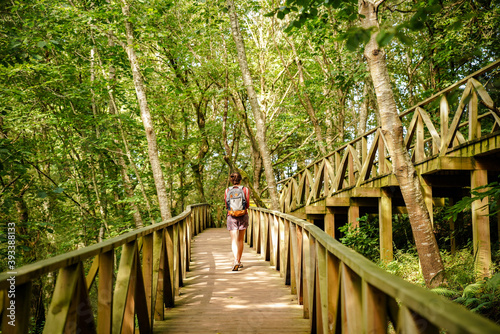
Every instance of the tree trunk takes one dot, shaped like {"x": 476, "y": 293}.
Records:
{"x": 254, "y": 103}
{"x": 392, "y": 128}
{"x": 140, "y": 90}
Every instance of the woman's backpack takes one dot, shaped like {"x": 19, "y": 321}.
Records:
{"x": 236, "y": 201}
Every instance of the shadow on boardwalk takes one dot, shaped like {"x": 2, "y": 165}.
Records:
{"x": 215, "y": 299}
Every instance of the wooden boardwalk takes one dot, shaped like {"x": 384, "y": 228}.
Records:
{"x": 215, "y": 299}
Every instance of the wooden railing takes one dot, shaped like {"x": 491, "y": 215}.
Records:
{"x": 152, "y": 265}
{"x": 343, "y": 292}
{"x": 366, "y": 157}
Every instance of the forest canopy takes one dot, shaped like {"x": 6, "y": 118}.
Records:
{"x": 74, "y": 154}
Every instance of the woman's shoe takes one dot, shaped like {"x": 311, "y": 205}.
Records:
{"x": 236, "y": 265}
{"x": 240, "y": 265}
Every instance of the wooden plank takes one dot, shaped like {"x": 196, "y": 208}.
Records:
{"x": 368, "y": 163}
{"x": 313, "y": 209}
{"x": 322, "y": 287}
{"x": 141, "y": 300}
{"x": 351, "y": 301}
{"x": 307, "y": 277}
{"x": 481, "y": 91}
{"x": 330, "y": 223}
{"x": 14, "y": 315}
{"x": 158, "y": 274}
{"x": 64, "y": 291}
{"x": 430, "y": 126}
{"x": 382, "y": 169}
{"x": 91, "y": 275}
{"x": 284, "y": 235}
{"x": 385, "y": 227}
{"x": 299, "y": 256}
{"x": 334, "y": 287}
{"x": 354, "y": 154}
{"x": 168, "y": 277}
{"x": 338, "y": 201}
{"x": 444, "y": 111}
{"x": 456, "y": 120}
{"x": 481, "y": 226}
{"x": 293, "y": 261}
{"x": 340, "y": 173}
{"x": 105, "y": 292}
{"x": 123, "y": 298}
{"x": 273, "y": 241}
{"x": 370, "y": 192}
{"x": 412, "y": 128}
{"x": 147, "y": 273}
{"x": 411, "y": 323}
{"x": 212, "y": 298}
{"x": 374, "y": 309}
{"x": 474, "y": 124}
{"x": 318, "y": 183}
{"x": 83, "y": 314}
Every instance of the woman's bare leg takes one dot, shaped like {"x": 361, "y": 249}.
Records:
{"x": 241, "y": 238}
{"x": 235, "y": 244}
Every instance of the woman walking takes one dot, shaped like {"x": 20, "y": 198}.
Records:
{"x": 237, "y": 199}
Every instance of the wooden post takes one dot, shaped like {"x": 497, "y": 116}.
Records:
{"x": 481, "y": 225}
{"x": 452, "y": 229}
{"x": 330, "y": 222}
{"x": 385, "y": 226}
{"x": 353, "y": 215}
{"x": 498, "y": 221}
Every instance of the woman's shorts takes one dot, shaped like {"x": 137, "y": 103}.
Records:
{"x": 237, "y": 223}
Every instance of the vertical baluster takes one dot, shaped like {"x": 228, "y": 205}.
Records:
{"x": 444, "y": 112}
{"x": 351, "y": 302}
{"x": 105, "y": 292}
{"x": 474, "y": 123}
{"x": 374, "y": 309}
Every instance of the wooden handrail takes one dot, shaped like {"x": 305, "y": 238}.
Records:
{"x": 341, "y": 290}
{"x": 153, "y": 262}
{"x": 340, "y": 169}
{"x": 401, "y": 115}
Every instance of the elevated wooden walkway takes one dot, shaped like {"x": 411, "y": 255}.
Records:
{"x": 215, "y": 299}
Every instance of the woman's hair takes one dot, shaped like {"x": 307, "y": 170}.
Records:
{"x": 235, "y": 178}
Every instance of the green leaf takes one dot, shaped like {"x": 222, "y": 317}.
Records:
{"x": 41, "y": 194}
{"x": 41, "y": 44}
{"x": 384, "y": 37}
{"x": 58, "y": 190}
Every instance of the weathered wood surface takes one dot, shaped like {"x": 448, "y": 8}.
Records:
{"x": 215, "y": 299}
{"x": 152, "y": 264}
{"x": 343, "y": 292}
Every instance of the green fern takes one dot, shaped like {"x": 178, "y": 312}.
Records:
{"x": 446, "y": 292}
